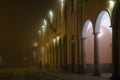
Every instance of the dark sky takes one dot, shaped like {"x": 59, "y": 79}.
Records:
{"x": 19, "y": 24}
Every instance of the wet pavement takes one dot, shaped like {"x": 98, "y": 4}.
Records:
{"x": 31, "y": 73}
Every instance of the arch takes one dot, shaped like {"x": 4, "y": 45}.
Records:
{"x": 87, "y": 47}
{"x": 102, "y": 18}
{"x": 87, "y": 24}
{"x": 103, "y": 43}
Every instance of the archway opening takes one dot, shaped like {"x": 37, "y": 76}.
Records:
{"x": 90, "y": 48}
{"x": 88, "y": 45}
{"x": 104, "y": 42}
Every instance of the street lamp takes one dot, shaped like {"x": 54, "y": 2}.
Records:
{"x": 61, "y": 2}
{"x": 35, "y": 44}
{"x": 45, "y": 22}
{"x": 111, "y": 4}
{"x": 51, "y": 15}
{"x": 39, "y": 32}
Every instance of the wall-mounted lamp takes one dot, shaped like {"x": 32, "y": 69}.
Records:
{"x": 51, "y": 14}
{"x": 58, "y": 38}
{"x": 111, "y": 4}
{"x": 45, "y": 22}
{"x": 54, "y": 40}
{"x": 36, "y": 44}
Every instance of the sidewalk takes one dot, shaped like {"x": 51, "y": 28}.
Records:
{"x": 72, "y": 76}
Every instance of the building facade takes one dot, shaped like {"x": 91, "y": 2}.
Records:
{"x": 81, "y": 36}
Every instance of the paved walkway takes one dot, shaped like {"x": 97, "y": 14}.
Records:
{"x": 72, "y": 76}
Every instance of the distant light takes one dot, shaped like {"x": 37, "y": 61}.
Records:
{"x": 111, "y": 4}
{"x": 39, "y": 31}
{"x": 53, "y": 40}
{"x": 42, "y": 49}
{"x": 51, "y": 14}
{"x": 35, "y": 44}
{"x": 43, "y": 27}
{"x": 62, "y": 2}
{"x": 45, "y": 22}
{"x": 58, "y": 37}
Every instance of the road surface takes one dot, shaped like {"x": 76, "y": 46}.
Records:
{"x": 24, "y": 74}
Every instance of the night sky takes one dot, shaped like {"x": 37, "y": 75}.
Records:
{"x": 20, "y": 21}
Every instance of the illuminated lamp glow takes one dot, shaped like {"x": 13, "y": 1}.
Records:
{"x": 45, "y": 22}
{"x": 35, "y": 44}
{"x": 53, "y": 40}
{"x": 39, "y": 31}
{"x": 42, "y": 50}
{"x": 51, "y": 14}
{"x": 57, "y": 38}
{"x": 43, "y": 27}
{"x": 111, "y": 4}
{"x": 62, "y": 2}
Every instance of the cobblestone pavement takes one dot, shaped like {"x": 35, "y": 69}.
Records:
{"x": 72, "y": 76}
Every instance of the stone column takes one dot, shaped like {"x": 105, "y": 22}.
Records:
{"x": 83, "y": 55}
{"x": 60, "y": 54}
{"x": 65, "y": 57}
{"x": 96, "y": 54}
{"x": 73, "y": 57}
{"x": 115, "y": 54}
{"x": 56, "y": 57}
{"x": 50, "y": 58}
